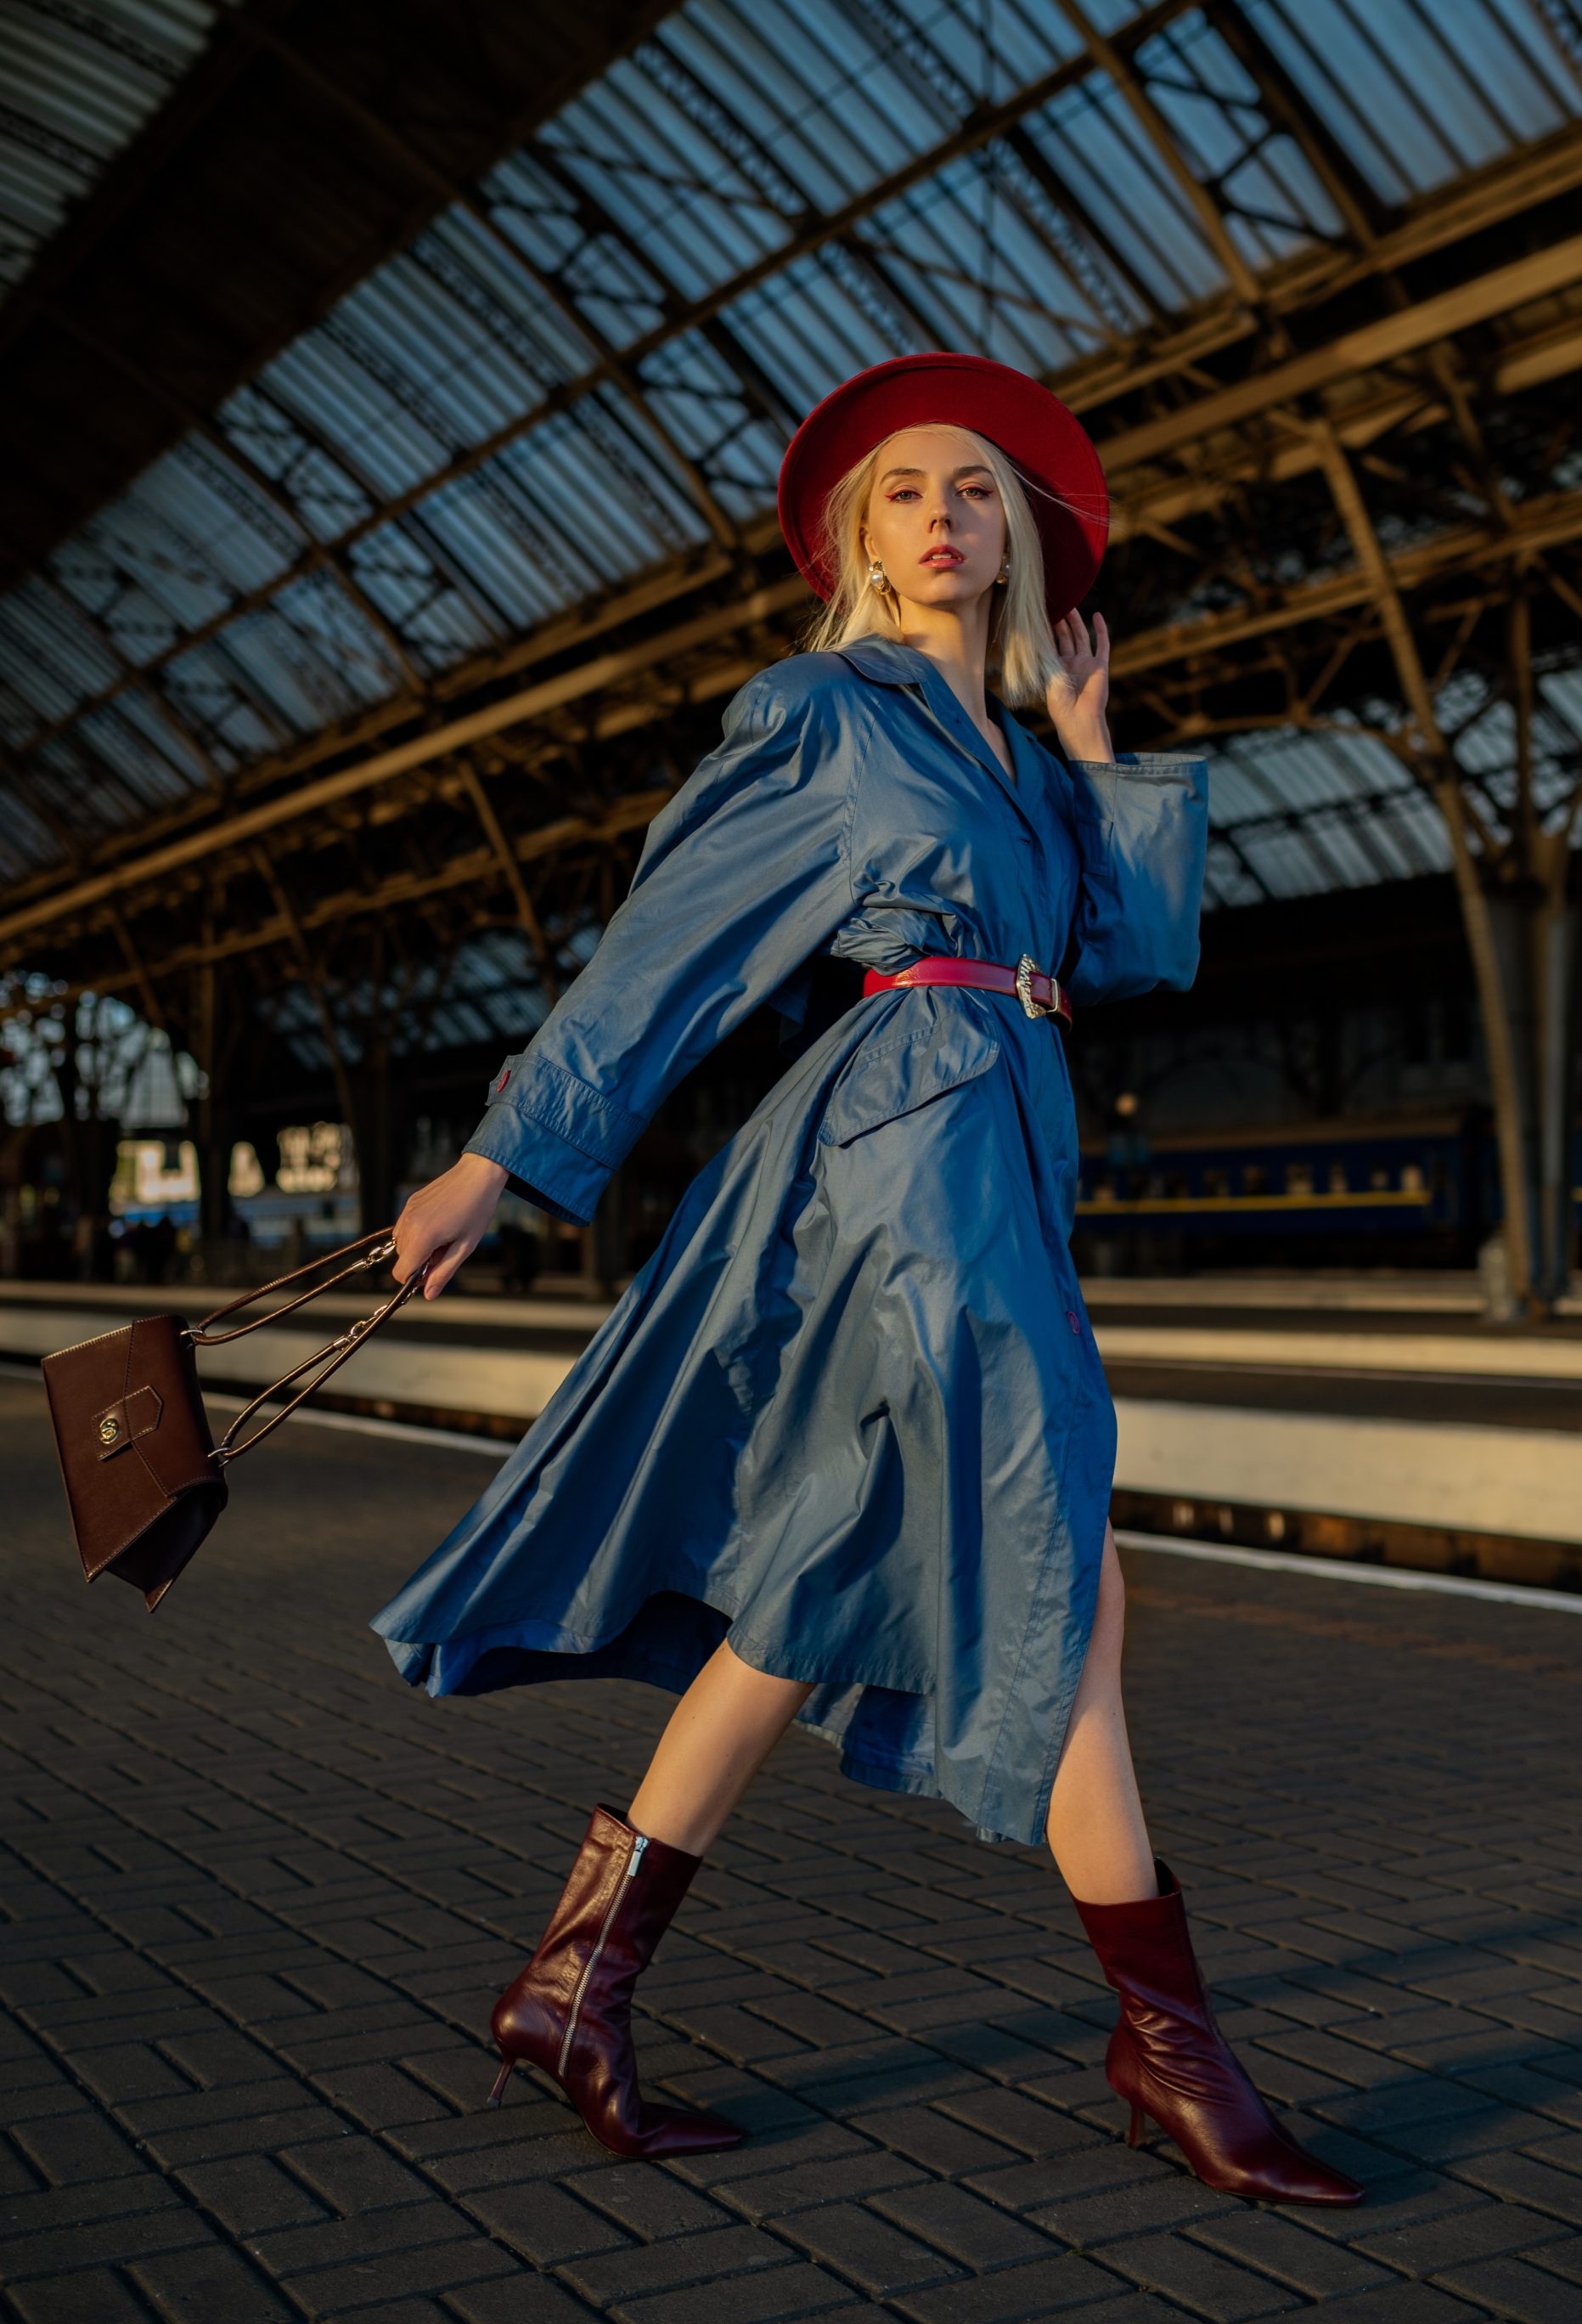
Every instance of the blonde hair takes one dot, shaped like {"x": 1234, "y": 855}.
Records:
{"x": 1021, "y": 641}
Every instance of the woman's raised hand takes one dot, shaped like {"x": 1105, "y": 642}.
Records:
{"x": 1078, "y": 694}
{"x": 444, "y": 1221}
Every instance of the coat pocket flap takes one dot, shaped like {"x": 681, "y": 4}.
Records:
{"x": 892, "y": 1077}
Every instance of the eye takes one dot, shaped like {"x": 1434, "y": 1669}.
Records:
{"x": 984, "y": 492}
{"x": 901, "y": 491}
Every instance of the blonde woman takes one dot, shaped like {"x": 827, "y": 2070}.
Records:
{"x": 842, "y": 1451}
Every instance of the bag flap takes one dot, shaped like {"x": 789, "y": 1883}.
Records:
{"x": 130, "y": 1430}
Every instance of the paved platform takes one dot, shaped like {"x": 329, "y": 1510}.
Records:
{"x": 259, "y": 1897}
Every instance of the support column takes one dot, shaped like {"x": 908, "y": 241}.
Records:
{"x": 1560, "y": 1022}
{"x": 214, "y": 1119}
{"x": 1438, "y": 767}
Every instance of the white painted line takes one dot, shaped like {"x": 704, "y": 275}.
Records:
{"x": 360, "y": 1423}
{"x": 1381, "y": 1577}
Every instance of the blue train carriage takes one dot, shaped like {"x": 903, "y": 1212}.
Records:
{"x": 1422, "y": 1182}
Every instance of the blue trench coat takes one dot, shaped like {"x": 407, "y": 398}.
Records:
{"x": 849, "y": 1410}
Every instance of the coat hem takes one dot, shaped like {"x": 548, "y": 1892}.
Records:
{"x": 443, "y": 1668}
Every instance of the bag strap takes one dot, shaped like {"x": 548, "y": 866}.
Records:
{"x": 330, "y": 1358}
{"x": 384, "y": 1243}
{"x": 376, "y": 1249}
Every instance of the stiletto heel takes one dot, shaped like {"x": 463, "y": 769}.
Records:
{"x": 568, "y": 2012}
{"x": 507, "y": 2068}
{"x": 1168, "y": 2057}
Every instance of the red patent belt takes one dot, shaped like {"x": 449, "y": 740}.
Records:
{"x": 1040, "y": 995}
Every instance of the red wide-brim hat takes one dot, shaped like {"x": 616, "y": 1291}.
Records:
{"x": 1045, "y": 441}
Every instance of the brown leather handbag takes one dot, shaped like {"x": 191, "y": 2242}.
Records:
{"x": 144, "y": 1478}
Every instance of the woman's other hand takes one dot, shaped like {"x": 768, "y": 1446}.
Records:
{"x": 1078, "y": 694}
{"x": 443, "y": 1221}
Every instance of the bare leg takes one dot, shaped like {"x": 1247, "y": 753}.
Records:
{"x": 720, "y": 1734}
{"x": 1096, "y": 1829}
{"x": 1165, "y": 2055}
{"x": 731, "y": 1716}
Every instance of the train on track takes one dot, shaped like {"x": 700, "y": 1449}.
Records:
{"x": 1408, "y": 1190}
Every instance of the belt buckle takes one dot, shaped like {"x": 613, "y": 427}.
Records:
{"x": 1026, "y": 969}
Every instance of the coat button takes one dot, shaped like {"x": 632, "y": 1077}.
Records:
{"x": 1073, "y": 1320}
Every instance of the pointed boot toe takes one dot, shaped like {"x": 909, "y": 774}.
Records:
{"x": 1303, "y": 2179}
{"x": 569, "y": 2011}
{"x": 1168, "y": 2057}
{"x": 681, "y": 2130}
{"x": 1262, "y": 2162}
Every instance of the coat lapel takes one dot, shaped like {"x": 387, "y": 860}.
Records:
{"x": 892, "y": 663}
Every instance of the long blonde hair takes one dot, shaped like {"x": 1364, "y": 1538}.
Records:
{"x": 1021, "y": 642}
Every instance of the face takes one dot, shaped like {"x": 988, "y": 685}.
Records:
{"x": 936, "y": 520}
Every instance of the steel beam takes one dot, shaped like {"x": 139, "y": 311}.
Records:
{"x": 1541, "y": 274}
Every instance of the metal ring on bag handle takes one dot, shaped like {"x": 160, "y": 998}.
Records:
{"x": 376, "y": 1248}
{"x": 336, "y": 1349}
{"x": 383, "y": 1237}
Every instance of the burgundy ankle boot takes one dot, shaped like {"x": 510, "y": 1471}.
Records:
{"x": 569, "y": 2010}
{"x": 1168, "y": 2057}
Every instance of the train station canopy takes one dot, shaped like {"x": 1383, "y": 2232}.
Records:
{"x": 399, "y": 393}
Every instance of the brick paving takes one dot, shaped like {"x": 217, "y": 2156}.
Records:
{"x": 258, "y": 1898}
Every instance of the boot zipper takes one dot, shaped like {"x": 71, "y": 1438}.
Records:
{"x": 634, "y": 1865}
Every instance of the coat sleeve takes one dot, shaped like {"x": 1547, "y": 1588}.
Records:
{"x": 743, "y": 873}
{"x": 1141, "y": 828}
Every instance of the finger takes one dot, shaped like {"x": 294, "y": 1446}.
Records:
{"x": 442, "y": 1268}
{"x": 405, "y": 1236}
{"x": 411, "y": 1249}
{"x": 1080, "y": 626}
{"x": 1101, "y": 638}
{"x": 418, "y": 1246}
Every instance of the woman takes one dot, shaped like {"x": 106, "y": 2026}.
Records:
{"x": 842, "y": 1451}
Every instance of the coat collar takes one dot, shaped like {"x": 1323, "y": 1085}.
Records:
{"x": 891, "y": 662}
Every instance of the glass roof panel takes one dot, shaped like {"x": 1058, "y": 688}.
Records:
{"x": 423, "y": 460}
{"x": 79, "y": 82}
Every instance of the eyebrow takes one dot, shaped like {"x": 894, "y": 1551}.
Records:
{"x": 967, "y": 468}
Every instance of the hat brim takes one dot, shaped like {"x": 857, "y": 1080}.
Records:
{"x": 1045, "y": 440}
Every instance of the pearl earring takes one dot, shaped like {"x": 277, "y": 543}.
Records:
{"x": 875, "y": 576}
{"x": 1005, "y": 571}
